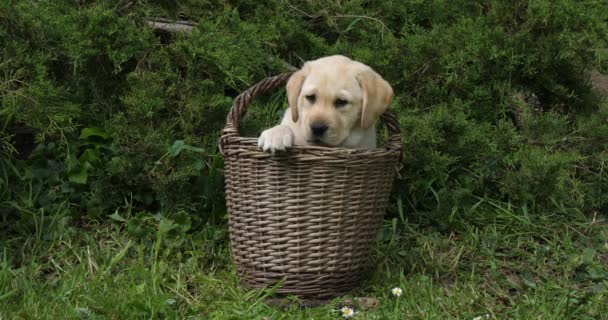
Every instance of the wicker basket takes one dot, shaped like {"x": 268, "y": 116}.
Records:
{"x": 309, "y": 215}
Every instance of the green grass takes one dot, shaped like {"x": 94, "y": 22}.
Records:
{"x": 511, "y": 266}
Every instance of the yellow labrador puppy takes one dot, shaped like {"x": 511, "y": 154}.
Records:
{"x": 334, "y": 102}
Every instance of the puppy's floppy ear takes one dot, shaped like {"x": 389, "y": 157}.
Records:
{"x": 377, "y": 96}
{"x": 294, "y": 86}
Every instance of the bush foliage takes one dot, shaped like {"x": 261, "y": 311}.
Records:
{"x": 493, "y": 96}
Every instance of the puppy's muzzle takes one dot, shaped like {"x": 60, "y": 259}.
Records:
{"x": 318, "y": 129}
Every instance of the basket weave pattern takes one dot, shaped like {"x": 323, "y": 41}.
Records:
{"x": 308, "y": 216}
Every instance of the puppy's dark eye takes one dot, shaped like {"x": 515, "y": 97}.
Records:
{"x": 340, "y": 103}
{"x": 311, "y": 98}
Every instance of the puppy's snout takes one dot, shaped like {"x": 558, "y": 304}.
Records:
{"x": 318, "y": 129}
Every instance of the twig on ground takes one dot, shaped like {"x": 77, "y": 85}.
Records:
{"x": 170, "y": 26}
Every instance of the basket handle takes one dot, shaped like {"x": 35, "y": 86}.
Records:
{"x": 270, "y": 84}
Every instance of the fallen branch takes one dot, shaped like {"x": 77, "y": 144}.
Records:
{"x": 170, "y": 26}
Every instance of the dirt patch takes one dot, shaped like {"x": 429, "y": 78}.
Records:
{"x": 599, "y": 81}
{"x": 361, "y": 303}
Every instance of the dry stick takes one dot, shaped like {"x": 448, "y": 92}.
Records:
{"x": 170, "y": 26}
{"x": 186, "y": 22}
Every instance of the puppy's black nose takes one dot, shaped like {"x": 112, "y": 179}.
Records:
{"x": 318, "y": 128}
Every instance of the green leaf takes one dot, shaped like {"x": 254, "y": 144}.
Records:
{"x": 588, "y": 255}
{"x": 195, "y": 149}
{"x": 199, "y": 164}
{"x": 528, "y": 280}
{"x": 182, "y": 219}
{"x": 176, "y": 148}
{"x": 93, "y": 132}
{"x": 116, "y": 217}
{"x": 179, "y": 145}
{"x": 79, "y": 175}
{"x": 352, "y": 24}
{"x": 119, "y": 256}
{"x": 91, "y": 156}
{"x": 135, "y": 228}
{"x": 166, "y": 225}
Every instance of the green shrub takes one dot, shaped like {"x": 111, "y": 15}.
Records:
{"x": 159, "y": 101}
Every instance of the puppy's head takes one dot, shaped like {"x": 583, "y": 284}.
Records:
{"x": 332, "y": 96}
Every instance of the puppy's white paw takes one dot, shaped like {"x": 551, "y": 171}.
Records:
{"x": 276, "y": 138}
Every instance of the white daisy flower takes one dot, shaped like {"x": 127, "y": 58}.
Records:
{"x": 397, "y": 292}
{"x": 347, "y": 312}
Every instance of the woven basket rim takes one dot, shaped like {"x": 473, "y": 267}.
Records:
{"x": 231, "y": 142}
